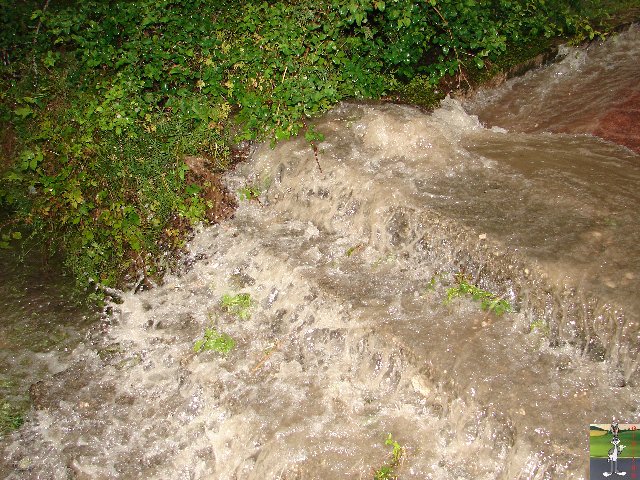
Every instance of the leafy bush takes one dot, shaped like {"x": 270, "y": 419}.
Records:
{"x": 101, "y": 102}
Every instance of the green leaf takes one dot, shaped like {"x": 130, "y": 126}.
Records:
{"x": 134, "y": 242}
{"x": 181, "y": 170}
{"x": 192, "y": 189}
{"x": 218, "y": 342}
{"x": 50, "y": 59}
{"x": 24, "y": 111}
{"x": 379, "y": 6}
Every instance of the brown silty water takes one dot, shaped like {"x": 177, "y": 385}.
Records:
{"x": 592, "y": 90}
{"x": 350, "y": 335}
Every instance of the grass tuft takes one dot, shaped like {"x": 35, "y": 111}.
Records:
{"x": 387, "y": 471}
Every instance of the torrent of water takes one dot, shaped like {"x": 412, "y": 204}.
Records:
{"x": 350, "y": 338}
{"x": 41, "y": 322}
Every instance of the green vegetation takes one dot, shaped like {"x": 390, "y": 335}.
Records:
{"x": 608, "y": 14}
{"x": 14, "y": 405}
{"x": 102, "y": 104}
{"x": 252, "y": 191}
{"x": 11, "y": 418}
{"x": 433, "y": 282}
{"x": 217, "y": 342}
{"x": 541, "y": 326}
{"x": 239, "y": 305}
{"x": 488, "y": 301}
{"x": 249, "y": 192}
{"x": 386, "y": 472}
{"x": 355, "y": 249}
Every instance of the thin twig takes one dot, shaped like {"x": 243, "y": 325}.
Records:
{"x": 8, "y": 222}
{"x": 266, "y": 356}
{"x": 455, "y": 50}
{"x": 44, "y": 9}
{"x": 315, "y": 155}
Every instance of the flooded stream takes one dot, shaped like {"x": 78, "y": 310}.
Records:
{"x": 350, "y": 335}
{"x": 41, "y": 321}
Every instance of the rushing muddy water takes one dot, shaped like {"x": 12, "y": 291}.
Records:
{"x": 350, "y": 335}
{"x": 593, "y": 90}
{"x": 41, "y": 321}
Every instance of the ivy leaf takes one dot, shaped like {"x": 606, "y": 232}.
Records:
{"x": 134, "y": 242}
{"x": 192, "y": 189}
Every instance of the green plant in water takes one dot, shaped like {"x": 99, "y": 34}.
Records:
{"x": 213, "y": 340}
{"x": 249, "y": 192}
{"x": 386, "y": 472}
{"x": 541, "y": 326}
{"x": 488, "y": 301}
{"x": 384, "y": 259}
{"x": 10, "y": 418}
{"x": 252, "y": 191}
{"x": 433, "y": 282}
{"x": 354, "y": 249}
{"x": 239, "y": 304}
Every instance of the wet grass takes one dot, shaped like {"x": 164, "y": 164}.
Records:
{"x": 609, "y": 14}
{"x": 11, "y": 417}
{"x": 540, "y": 326}
{"x": 422, "y": 92}
{"x": 355, "y": 249}
{"x": 249, "y": 192}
